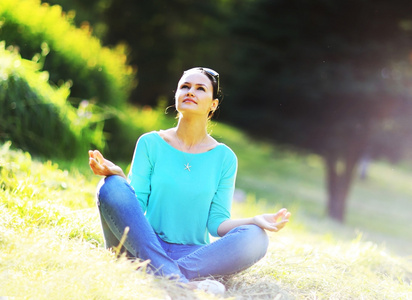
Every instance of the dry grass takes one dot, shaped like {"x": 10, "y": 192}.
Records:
{"x": 51, "y": 248}
{"x": 40, "y": 265}
{"x": 308, "y": 265}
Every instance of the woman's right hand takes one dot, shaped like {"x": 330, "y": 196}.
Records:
{"x": 101, "y": 166}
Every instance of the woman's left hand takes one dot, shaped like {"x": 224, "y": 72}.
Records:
{"x": 272, "y": 222}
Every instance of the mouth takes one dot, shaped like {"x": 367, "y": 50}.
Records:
{"x": 186, "y": 100}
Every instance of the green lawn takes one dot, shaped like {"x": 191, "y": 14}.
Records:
{"x": 51, "y": 243}
{"x": 380, "y": 206}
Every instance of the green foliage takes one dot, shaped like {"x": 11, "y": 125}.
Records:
{"x": 86, "y": 12}
{"x": 332, "y": 87}
{"x": 168, "y": 36}
{"x": 37, "y": 117}
{"x": 35, "y": 195}
{"x": 129, "y": 124}
{"x": 327, "y": 86}
{"x": 73, "y": 54}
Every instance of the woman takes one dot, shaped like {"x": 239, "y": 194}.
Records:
{"x": 179, "y": 190}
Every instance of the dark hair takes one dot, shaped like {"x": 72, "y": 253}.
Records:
{"x": 213, "y": 77}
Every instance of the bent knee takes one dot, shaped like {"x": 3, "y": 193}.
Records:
{"x": 255, "y": 237}
{"x": 111, "y": 181}
{"x": 107, "y": 186}
{"x": 255, "y": 242}
{"x": 253, "y": 230}
{"x": 258, "y": 235}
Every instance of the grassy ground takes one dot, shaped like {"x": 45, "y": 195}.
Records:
{"x": 379, "y": 207}
{"x": 51, "y": 243}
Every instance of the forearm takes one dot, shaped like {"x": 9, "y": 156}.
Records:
{"x": 228, "y": 225}
{"x": 271, "y": 222}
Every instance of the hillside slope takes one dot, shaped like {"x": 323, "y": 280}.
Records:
{"x": 51, "y": 243}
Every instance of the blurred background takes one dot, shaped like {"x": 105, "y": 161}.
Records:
{"x": 319, "y": 77}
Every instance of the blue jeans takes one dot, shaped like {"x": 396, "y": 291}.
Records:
{"x": 118, "y": 206}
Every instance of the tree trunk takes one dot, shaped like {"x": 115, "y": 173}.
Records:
{"x": 339, "y": 175}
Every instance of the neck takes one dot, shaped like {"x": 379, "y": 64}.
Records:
{"x": 191, "y": 132}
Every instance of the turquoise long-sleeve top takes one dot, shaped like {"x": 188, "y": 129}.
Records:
{"x": 183, "y": 206}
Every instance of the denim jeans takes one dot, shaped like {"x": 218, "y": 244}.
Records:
{"x": 119, "y": 208}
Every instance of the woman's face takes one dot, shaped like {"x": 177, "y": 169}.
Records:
{"x": 194, "y": 94}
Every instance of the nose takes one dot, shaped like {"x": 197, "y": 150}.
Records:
{"x": 190, "y": 92}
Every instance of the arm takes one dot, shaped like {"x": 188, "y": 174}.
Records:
{"x": 271, "y": 222}
{"x": 222, "y": 201}
{"x": 103, "y": 167}
{"x": 141, "y": 168}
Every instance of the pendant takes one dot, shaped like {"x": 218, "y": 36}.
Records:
{"x": 187, "y": 167}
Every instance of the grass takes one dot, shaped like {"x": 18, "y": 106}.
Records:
{"x": 51, "y": 243}
{"x": 380, "y": 206}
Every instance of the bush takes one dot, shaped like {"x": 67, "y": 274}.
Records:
{"x": 97, "y": 72}
{"x": 37, "y": 117}
{"x": 130, "y": 123}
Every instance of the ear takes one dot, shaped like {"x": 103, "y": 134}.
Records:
{"x": 215, "y": 104}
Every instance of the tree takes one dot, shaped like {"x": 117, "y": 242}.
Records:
{"x": 44, "y": 33}
{"x": 324, "y": 76}
{"x": 167, "y": 37}
{"x": 330, "y": 77}
{"x": 87, "y": 14}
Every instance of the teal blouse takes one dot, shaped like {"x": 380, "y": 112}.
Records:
{"x": 183, "y": 206}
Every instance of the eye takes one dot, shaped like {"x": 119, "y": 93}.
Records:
{"x": 184, "y": 86}
{"x": 201, "y": 88}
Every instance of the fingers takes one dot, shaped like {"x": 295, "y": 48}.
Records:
{"x": 92, "y": 153}
{"x": 95, "y": 162}
{"x": 92, "y": 156}
{"x": 273, "y": 222}
{"x": 96, "y": 154}
{"x": 284, "y": 216}
{"x": 99, "y": 156}
{"x": 95, "y": 166}
{"x": 282, "y": 212}
{"x": 275, "y": 227}
{"x": 282, "y": 223}
{"x": 272, "y": 228}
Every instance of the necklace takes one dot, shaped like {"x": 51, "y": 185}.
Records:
{"x": 187, "y": 165}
